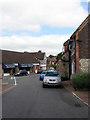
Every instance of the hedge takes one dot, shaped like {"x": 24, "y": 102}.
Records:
{"x": 81, "y": 80}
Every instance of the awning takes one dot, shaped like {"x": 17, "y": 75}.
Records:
{"x": 44, "y": 65}
{"x": 36, "y": 64}
{"x": 4, "y": 66}
{"x": 23, "y": 65}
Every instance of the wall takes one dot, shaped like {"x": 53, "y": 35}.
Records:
{"x": 64, "y": 67}
{"x": 84, "y": 65}
{"x": 0, "y": 70}
{"x": 58, "y": 66}
{"x": 83, "y": 44}
{"x": 84, "y": 49}
{"x": 1, "y": 64}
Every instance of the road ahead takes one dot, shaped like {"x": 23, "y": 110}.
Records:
{"x": 30, "y": 100}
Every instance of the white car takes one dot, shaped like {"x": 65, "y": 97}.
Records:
{"x": 52, "y": 78}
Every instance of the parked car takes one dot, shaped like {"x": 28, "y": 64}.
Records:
{"x": 52, "y": 78}
{"x": 51, "y": 69}
{"x": 42, "y": 75}
{"x": 39, "y": 71}
{"x": 21, "y": 73}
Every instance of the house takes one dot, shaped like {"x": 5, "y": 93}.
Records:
{"x": 76, "y": 55}
{"x": 80, "y": 49}
{"x": 51, "y": 62}
{"x": 41, "y": 57}
{"x": 13, "y": 61}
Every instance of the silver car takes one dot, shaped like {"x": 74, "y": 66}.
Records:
{"x": 52, "y": 78}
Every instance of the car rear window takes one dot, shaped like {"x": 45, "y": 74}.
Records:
{"x": 52, "y": 74}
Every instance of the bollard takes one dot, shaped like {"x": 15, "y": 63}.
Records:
{"x": 13, "y": 78}
{"x": 15, "y": 81}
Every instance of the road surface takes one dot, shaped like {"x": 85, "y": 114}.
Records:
{"x": 30, "y": 100}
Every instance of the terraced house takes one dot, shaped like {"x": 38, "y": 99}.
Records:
{"x": 76, "y": 56}
{"x": 14, "y": 61}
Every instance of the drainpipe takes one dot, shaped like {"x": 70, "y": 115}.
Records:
{"x": 69, "y": 64}
{"x": 75, "y": 52}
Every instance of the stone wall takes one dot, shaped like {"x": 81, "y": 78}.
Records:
{"x": 64, "y": 70}
{"x": 0, "y": 63}
{"x": 84, "y": 65}
{"x": 0, "y": 70}
{"x": 64, "y": 66}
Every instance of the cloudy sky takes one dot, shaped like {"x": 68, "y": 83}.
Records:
{"x": 32, "y": 25}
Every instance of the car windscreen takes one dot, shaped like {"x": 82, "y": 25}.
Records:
{"x": 43, "y": 72}
{"x": 52, "y": 74}
{"x": 18, "y": 71}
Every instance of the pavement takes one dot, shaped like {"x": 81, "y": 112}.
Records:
{"x": 83, "y": 95}
{"x": 5, "y": 84}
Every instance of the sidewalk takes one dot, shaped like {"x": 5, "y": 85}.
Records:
{"x": 4, "y": 85}
{"x": 84, "y": 95}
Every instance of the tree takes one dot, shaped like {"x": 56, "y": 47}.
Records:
{"x": 58, "y": 55}
{"x": 39, "y": 51}
{"x": 51, "y": 56}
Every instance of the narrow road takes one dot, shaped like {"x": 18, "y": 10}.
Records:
{"x": 30, "y": 100}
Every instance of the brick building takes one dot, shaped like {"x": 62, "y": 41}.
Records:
{"x": 80, "y": 49}
{"x": 14, "y": 61}
{"x": 76, "y": 56}
{"x": 51, "y": 62}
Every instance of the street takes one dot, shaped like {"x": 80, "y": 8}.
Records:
{"x": 30, "y": 100}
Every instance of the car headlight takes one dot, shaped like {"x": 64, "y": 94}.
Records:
{"x": 59, "y": 79}
{"x": 45, "y": 80}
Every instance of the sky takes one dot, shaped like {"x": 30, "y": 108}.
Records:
{"x": 32, "y": 25}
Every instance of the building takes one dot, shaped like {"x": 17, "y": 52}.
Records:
{"x": 80, "y": 49}
{"x": 51, "y": 62}
{"x": 76, "y": 55}
{"x": 14, "y": 61}
{"x": 41, "y": 57}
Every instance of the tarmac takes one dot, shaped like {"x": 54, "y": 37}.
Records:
{"x": 83, "y": 95}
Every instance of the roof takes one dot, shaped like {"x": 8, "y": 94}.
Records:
{"x": 21, "y": 57}
{"x": 60, "y": 58}
{"x": 38, "y": 55}
{"x": 66, "y": 42}
{"x": 82, "y": 24}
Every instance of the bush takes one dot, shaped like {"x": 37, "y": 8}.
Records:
{"x": 81, "y": 80}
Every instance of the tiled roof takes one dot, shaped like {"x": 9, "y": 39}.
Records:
{"x": 21, "y": 57}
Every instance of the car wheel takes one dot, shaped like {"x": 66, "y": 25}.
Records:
{"x": 44, "y": 86}
{"x": 59, "y": 86}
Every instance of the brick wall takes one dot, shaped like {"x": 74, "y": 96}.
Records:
{"x": 83, "y": 44}
{"x": 82, "y": 38}
{"x": 84, "y": 48}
